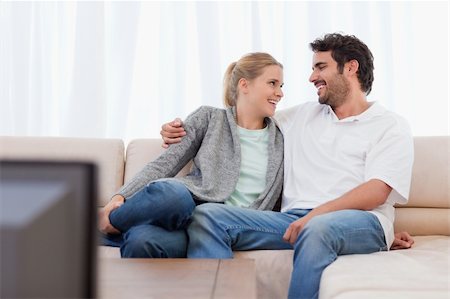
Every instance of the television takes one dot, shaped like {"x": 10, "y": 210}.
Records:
{"x": 47, "y": 229}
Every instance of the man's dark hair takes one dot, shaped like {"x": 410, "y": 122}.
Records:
{"x": 345, "y": 48}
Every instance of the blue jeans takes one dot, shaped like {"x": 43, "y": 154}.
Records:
{"x": 153, "y": 221}
{"x": 217, "y": 230}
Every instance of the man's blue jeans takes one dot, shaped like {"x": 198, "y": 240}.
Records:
{"x": 217, "y": 230}
{"x": 153, "y": 221}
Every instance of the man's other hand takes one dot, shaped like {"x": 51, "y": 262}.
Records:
{"x": 403, "y": 240}
{"x": 172, "y": 132}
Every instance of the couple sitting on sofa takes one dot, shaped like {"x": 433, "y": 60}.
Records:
{"x": 345, "y": 161}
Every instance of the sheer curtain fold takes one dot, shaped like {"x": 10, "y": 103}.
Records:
{"x": 121, "y": 69}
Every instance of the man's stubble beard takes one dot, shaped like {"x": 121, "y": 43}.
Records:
{"x": 337, "y": 91}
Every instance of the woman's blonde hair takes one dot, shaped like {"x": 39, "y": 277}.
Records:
{"x": 249, "y": 67}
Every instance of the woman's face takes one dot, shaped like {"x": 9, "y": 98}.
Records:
{"x": 264, "y": 92}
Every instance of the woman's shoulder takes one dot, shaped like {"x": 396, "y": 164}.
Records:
{"x": 271, "y": 121}
{"x": 205, "y": 110}
{"x": 209, "y": 110}
{"x": 273, "y": 126}
{"x": 204, "y": 115}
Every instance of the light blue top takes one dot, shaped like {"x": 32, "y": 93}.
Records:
{"x": 253, "y": 171}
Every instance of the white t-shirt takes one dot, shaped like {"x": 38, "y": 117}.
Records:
{"x": 325, "y": 157}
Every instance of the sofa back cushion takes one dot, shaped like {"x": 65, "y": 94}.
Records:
{"x": 430, "y": 179}
{"x": 107, "y": 154}
{"x": 428, "y": 209}
{"x": 142, "y": 151}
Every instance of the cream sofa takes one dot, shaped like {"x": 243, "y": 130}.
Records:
{"x": 420, "y": 272}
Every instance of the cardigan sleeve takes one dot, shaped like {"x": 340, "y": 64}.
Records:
{"x": 172, "y": 160}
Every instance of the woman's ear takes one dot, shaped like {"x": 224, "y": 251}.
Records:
{"x": 243, "y": 85}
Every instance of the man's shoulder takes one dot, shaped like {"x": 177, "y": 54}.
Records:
{"x": 395, "y": 120}
{"x": 306, "y": 106}
{"x": 285, "y": 118}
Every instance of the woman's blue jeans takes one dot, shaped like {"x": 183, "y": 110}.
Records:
{"x": 216, "y": 230}
{"x": 153, "y": 221}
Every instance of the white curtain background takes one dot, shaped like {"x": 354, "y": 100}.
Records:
{"x": 121, "y": 69}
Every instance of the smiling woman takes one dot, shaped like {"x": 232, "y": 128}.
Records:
{"x": 126, "y": 67}
{"x": 238, "y": 154}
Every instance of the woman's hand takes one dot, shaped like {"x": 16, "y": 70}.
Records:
{"x": 104, "y": 225}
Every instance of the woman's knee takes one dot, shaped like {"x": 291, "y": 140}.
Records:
{"x": 168, "y": 187}
{"x": 173, "y": 194}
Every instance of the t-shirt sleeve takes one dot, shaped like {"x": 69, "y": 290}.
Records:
{"x": 285, "y": 117}
{"x": 391, "y": 161}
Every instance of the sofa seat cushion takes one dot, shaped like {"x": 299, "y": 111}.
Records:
{"x": 419, "y": 272}
{"x": 108, "y": 252}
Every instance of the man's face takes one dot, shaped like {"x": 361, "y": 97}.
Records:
{"x": 332, "y": 86}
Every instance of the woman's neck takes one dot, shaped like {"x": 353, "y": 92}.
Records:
{"x": 248, "y": 120}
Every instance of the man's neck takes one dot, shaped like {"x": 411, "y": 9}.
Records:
{"x": 352, "y": 106}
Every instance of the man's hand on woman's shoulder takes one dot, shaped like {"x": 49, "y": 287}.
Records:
{"x": 172, "y": 132}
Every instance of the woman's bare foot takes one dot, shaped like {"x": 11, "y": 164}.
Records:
{"x": 104, "y": 225}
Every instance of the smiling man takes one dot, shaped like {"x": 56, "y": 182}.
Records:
{"x": 347, "y": 162}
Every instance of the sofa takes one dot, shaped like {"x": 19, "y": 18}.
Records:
{"x": 420, "y": 272}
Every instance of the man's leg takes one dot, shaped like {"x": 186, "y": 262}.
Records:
{"x": 151, "y": 241}
{"x": 167, "y": 204}
{"x": 325, "y": 237}
{"x": 216, "y": 230}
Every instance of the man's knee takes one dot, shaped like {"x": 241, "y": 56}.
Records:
{"x": 319, "y": 225}
{"x": 333, "y": 222}
{"x": 319, "y": 230}
{"x": 327, "y": 229}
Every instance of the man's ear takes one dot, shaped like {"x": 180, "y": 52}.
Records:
{"x": 243, "y": 85}
{"x": 351, "y": 67}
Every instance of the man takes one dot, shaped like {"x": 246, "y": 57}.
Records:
{"x": 347, "y": 162}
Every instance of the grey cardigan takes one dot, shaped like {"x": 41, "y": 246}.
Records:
{"x": 213, "y": 143}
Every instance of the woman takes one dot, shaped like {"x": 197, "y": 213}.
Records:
{"x": 238, "y": 160}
